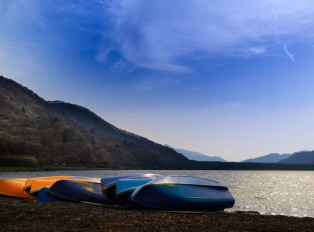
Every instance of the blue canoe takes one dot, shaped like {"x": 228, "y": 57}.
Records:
{"x": 79, "y": 189}
{"x": 45, "y": 196}
{"x": 125, "y": 187}
{"x": 182, "y": 193}
{"x": 109, "y": 186}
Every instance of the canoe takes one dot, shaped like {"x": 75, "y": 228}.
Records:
{"x": 14, "y": 188}
{"x": 84, "y": 189}
{"x": 182, "y": 193}
{"x": 34, "y": 185}
{"x": 45, "y": 196}
{"x": 125, "y": 187}
{"x": 107, "y": 181}
{"x": 109, "y": 188}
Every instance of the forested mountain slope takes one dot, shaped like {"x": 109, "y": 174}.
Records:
{"x": 32, "y": 128}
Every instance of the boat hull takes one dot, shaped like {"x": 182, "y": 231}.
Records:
{"x": 14, "y": 188}
{"x": 183, "y": 193}
{"x": 109, "y": 186}
{"x": 34, "y": 185}
{"x": 79, "y": 190}
{"x": 45, "y": 196}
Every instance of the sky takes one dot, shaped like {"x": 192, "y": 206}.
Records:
{"x": 230, "y": 78}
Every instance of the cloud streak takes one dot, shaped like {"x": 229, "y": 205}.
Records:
{"x": 162, "y": 34}
{"x": 288, "y": 53}
{"x": 257, "y": 50}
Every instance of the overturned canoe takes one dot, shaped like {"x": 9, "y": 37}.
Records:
{"x": 83, "y": 189}
{"x": 34, "y": 185}
{"x": 45, "y": 196}
{"x": 14, "y": 188}
{"x": 125, "y": 187}
{"x": 109, "y": 185}
{"x": 182, "y": 193}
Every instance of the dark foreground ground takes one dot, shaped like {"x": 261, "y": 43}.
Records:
{"x": 28, "y": 215}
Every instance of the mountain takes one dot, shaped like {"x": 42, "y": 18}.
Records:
{"x": 34, "y": 131}
{"x": 95, "y": 123}
{"x": 191, "y": 155}
{"x": 302, "y": 157}
{"x": 270, "y": 158}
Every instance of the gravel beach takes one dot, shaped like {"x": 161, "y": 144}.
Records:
{"x": 28, "y": 215}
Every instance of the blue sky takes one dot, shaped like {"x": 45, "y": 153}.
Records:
{"x": 228, "y": 78}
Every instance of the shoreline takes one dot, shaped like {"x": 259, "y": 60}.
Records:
{"x": 28, "y": 215}
{"x": 83, "y": 168}
{"x": 52, "y": 169}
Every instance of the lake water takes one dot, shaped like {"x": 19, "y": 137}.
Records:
{"x": 268, "y": 192}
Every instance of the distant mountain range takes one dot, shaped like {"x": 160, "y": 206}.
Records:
{"x": 192, "y": 155}
{"x": 270, "y": 158}
{"x": 301, "y": 157}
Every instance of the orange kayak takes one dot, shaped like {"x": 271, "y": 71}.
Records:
{"x": 34, "y": 185}
{"x": 14, "y": 188}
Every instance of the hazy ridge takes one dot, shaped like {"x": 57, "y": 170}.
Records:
{"x": 301, "y": 157}
{"x": 192, "y": 155}
{"x": 270, "y": 158}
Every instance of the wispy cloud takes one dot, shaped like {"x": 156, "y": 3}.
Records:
{"x": 257, "y": 50}
{"x": 159, "y": 34}
{"x": 163, "y": 35}
{"x": 288, "y": 53}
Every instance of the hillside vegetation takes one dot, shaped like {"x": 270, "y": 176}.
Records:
{"x": 95, "y": 123}
{"x": 31, "y": 127}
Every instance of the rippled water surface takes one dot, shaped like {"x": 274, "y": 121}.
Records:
{"x": 268, "y": 192}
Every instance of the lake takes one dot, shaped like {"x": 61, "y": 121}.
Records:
{"x": 288, "y": 193}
